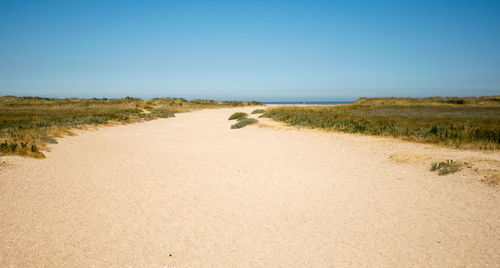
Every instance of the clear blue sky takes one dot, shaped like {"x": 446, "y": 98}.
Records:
{"x": 264, "y": 50}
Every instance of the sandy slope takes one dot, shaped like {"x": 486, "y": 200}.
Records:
{"x": 189, "y": 192}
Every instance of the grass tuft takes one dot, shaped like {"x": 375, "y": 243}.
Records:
{"x": 238, "y": 116}
{"x": 244, "y": 122}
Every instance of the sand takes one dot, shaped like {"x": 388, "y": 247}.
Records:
{"x": 190, "y": 192}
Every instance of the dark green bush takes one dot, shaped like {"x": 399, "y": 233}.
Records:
{"x": 244, "y": 122}
{"x": 453, "y": 101}
{"x": 238, "y": 115}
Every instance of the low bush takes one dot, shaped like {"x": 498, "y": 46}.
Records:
{"x": 258, "y": 111}
{"x": 238, "y": 115}
{"x": 244, "y": 122}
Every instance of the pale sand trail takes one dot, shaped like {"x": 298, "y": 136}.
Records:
{"x": 190, "y": 192}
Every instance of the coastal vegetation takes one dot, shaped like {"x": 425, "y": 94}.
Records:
{"x": 258, "y": 111}
{"x": 244, "y": 122}
{"x": 29, "y": 124}
{"x": 238, "y": 116}
{"x": 469, "y": 123}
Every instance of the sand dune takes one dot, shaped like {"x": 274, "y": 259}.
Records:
{"x": 190, "y": 192}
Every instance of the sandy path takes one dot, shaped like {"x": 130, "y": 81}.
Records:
{"x": 190, "y": 192}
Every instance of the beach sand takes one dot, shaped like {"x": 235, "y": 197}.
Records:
{"x": 191, "y": 192}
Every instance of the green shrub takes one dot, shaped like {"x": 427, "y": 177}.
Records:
{"x": 244, "y": 122}
{"x": 258, "y": 111}
{"x": 238, "y": 115}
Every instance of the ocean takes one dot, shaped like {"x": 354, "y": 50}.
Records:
{"x": 307, "y": 102}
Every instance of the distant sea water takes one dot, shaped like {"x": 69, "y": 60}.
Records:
{"x": 307, "y": 102}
